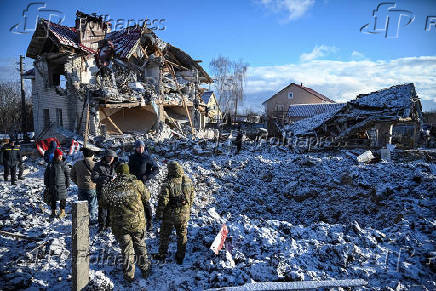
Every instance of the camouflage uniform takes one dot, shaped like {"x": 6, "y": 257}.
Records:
{"x": 125, "y": 198}
{"x": 175, "y": 201}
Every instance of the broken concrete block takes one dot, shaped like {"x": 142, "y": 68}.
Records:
{"x": 365, "y": 157}
{"x": 385, "y": 155}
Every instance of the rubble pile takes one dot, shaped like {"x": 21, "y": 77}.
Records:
{"x": 290, "y": 217}
{"x": 368, "y": 120}
{"x": 124, "y": 75}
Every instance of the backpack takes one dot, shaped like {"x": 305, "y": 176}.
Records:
{"x": 178, "y": 194}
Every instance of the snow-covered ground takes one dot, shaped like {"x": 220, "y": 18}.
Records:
{"x": 291, "y": 217}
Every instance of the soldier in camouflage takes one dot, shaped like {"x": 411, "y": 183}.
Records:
{"x": 174, "y": 208}
{"x": 125, "y": 197}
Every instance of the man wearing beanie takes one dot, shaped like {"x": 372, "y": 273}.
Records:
{"x": 57, "y": 181}
{"x": 81, "y": 176}
{"x": 126, "y": 197}
{"x": 103, "y": 173}
{"x": 144, "y": 168}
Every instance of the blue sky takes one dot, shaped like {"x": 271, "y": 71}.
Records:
{"x": 314, "y": 42}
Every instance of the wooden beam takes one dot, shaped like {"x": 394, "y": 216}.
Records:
{"x": 111, "y": 121}
{"x": 119, "y": 105}
{"x": 183, "y": 98}
{"x": 19, "y": 236}
{"x": 85, "y": 138}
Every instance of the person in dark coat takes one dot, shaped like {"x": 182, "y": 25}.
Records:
{"x": 49, "y": 154}
{"x": 238, "y": 140}
{"x": 144, "y": 168}
{"x": 11, "y": 160}
{"x": 57, "y": 181}
{"x": 103, "y": 173}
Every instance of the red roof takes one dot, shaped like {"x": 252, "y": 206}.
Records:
{"x": 67, "y": 36}
{"x": 307, "y": 89}
{"x": 124, "y": 40}
{"x": 319, "y": 95}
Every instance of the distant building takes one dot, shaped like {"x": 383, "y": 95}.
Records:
{"x": 277, "y": 106}
{"x": 213, "y": 108}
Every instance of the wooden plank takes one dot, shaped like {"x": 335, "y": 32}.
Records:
{"x": 19, "y": 236}
{"x": 303, "y": 285}
{"x": 183, "y": 98}
{"x": 119, "y": 105}
{"x": 111, "y": 121}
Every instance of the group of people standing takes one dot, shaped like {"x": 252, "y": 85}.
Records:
{"x": 118, "y": 198}
{"x": 12, "y": 160}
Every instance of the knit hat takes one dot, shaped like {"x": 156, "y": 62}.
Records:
{"x": 87, "y": 153}
{"x": 122, "y": 169}
{"x": 110, "y": 153}
{"x": 139, "y": 143}
{"x": 58, "y": 153}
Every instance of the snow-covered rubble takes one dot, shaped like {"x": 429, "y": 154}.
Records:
{"x": 290, "y": 217}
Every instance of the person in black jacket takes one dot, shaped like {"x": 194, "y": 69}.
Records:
{"x": 144, "y": 168}
{"x": 11, "y": 160}
{"x": 103, "y": 173}
{"x": 57, "y": 181}
{"x": 49, "y": 154}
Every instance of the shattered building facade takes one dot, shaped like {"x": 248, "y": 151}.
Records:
{"x": 392, "y": 115}
{"x": 121, "y": 81}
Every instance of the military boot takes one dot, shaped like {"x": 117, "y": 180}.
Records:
{"x": 146, "y": 271}
{"x": 62, "y": 214}
{"x": 53, "y": 213}
{"x": 160, "y": 257}
{"x": 129, "y": 274}
{"x": 179, "y": 260}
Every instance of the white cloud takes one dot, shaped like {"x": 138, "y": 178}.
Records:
{"x": 343, "y": 81}
{"x": 357, "y": 55}
{"x": 293, "y": 8}
{"x": 318, "y": 52}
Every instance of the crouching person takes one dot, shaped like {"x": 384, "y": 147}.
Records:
{"x": 125, "y": 197}
{"x": 57, "y": 181}
{"x": 174, "y": 208}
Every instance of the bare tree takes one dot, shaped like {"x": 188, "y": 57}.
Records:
{"x": 239, "y": 71}
{"x": 229, "y": 77}
{"x": 221, "y": 67}
{"x": 10, "y": 108}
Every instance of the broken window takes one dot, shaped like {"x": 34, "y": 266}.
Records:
{"x": 57, "y": 75}
{"x": 59, "y": 121}
{"x": 46, "y": 117}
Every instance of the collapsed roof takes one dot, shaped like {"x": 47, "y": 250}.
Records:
{"x": 128, "y": 60}
{"x": 115, "y": 71}
{"x": 392, "y": 105}
{"x": 309, "y": 110}
{"x": 125, "y": 42}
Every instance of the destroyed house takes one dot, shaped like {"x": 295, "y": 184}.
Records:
{"x": 302, "y": 111}
{"x": 387, "y": 116}
{"x": 88, "y": 77}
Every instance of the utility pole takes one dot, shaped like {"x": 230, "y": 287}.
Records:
{"x": 85, "y": 138}
{"x": 23, "y": 97}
